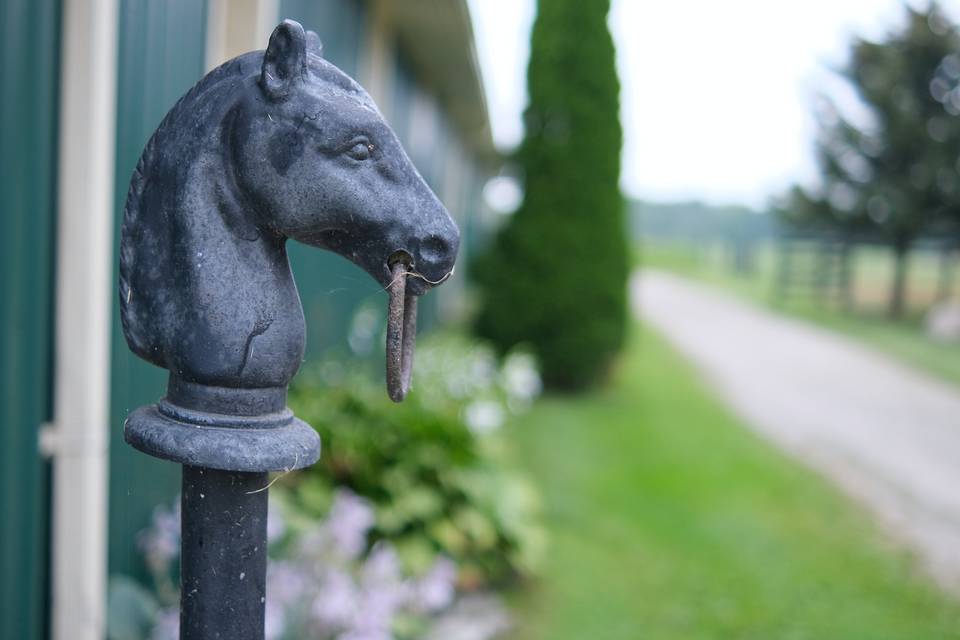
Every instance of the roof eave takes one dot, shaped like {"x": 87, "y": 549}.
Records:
{"x": 437, "y": 37}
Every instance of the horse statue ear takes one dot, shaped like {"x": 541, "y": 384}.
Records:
{"x": 314, "y": 45}
{"x": 284, "y": 61}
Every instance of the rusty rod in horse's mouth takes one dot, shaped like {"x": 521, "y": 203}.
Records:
{"x": 401, "y": 333}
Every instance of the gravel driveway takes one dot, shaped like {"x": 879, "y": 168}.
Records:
{"x": 885, "y": 433}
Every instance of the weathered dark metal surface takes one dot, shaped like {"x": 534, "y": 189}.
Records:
{"x": 267, "y": 147}
{"x": 271, "y": 145}
{"x": 223, "y": 554}
{"x": 401, "y": 334}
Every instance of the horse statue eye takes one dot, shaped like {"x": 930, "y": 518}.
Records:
{"x": 360, "y": 151}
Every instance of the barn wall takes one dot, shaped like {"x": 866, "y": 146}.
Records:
{"x": 29, "y": 38}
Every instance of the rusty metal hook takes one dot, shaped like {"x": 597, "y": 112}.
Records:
{"x": 401, "y": 334}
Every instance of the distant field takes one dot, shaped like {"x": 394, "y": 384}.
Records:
{"x": 872, "y": 270}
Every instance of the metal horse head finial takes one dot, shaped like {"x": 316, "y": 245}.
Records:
{"x": 269, "y": 146}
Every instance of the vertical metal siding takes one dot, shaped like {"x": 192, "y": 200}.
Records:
{"x": 402, "y": 99}
{"x": 339, "y": 23}
{"x": 160, "y": 56}
{"x": 29, "y": 71}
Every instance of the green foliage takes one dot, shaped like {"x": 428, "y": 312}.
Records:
{"x": 132, "y": 610}
{"x": 438, "y": 486}
{"x": 555, "y": 276}
{"x": 894, "y": 176}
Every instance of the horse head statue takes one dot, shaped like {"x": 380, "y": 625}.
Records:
{"x": 271, "y": 145}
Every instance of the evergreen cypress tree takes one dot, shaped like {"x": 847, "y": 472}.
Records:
{"x": 555, "y": 276}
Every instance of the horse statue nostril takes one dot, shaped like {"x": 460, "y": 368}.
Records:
{"x": 399, "y": 257}
{"x": 434, "y": 250}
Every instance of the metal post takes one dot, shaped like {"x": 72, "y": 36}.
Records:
{"x": 227, "y": 440}
{"x": 206, "y": 290}
{"x": 224, "y": 554}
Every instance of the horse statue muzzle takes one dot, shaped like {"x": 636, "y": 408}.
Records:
{"x": 269, "y": 146}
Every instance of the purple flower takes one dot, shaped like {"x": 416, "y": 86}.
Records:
{"x": 350, "y": 518}
{"x": 384, "y": 592}
{"x": 337, "y": 601}
{"x": 437, "y": 589}
{"x": 160, "y": 542}
{"x": 286, "y": 582}
{"x": 275, "y": 524}
{"x": 167, "y": 625}
{"x": 288, "y": 588}
{"x": 274, "y": 620}
{"x": 382, "y": 566}
{"x": 366, "y": 634}
{"x": 326, "y": 586}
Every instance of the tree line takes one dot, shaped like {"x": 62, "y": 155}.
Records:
{"x": 893, "y": 176}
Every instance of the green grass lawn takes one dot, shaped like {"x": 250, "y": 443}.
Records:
{"x": 903, "y": 339}
{"x": 670, "y": 520}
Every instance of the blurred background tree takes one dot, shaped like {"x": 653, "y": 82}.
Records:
{"x": 881, "y": 180}
{"x": 555, "y": 276}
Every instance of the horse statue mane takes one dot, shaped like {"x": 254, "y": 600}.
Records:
{"x": 211, "y": 84}
{"x": 271, "y": 145}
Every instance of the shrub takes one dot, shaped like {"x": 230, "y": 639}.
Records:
{"x": 323, "y": 582}
{"x": 434, "y": 468}
{"x": 411, "y": 517}
{"x": 555, "y": 276}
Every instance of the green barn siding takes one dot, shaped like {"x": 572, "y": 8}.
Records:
{"x": 160, "y": 56}
{"x": 29, "y": 68}
{"x": 339, "y": 23}
{"x": 402, "y": 99}
{"x": 474, "y": 232}
{"x": 467, "y": 200}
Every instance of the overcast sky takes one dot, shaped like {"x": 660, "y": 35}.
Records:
{"x": 716, "y": 96}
